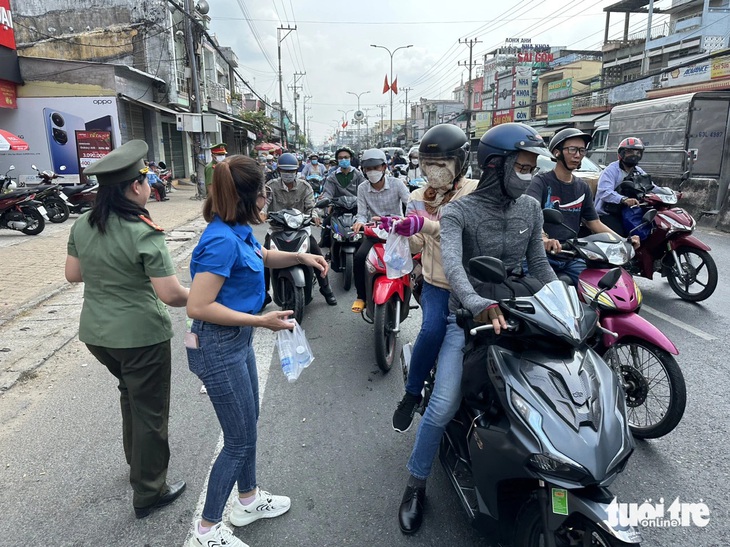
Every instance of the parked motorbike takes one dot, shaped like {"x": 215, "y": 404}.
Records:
{"x": 387, "y": 301}
{"x": 165, "y": 175}
{"x": 292, "y": 286}
{"x": 19, "y": 211}
{"x": 50, "y": 194}
{"x": 81, "y": 197}
{"x": 639, "y": 353}
{"x": 344, "y": 239}
{"x": 532, "y": 458}
{"x": 7, "y": 183}
{"x": 671, "y": 249}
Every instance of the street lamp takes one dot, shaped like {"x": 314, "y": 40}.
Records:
{"x": 358, "y": 110}
{"x": 345, "y": 118}
{"x": 391, "y": 53}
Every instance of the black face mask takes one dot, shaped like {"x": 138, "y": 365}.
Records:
{"x": 631, "y": 161}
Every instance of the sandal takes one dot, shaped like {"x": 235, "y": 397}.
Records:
{"x": 358, "y": 305}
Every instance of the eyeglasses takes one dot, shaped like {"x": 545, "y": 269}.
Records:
{"x": 572, "y": 150}
{"x": 526, "y": 168}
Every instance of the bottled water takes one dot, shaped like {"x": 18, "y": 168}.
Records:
{"x": 286, "y": 357}
{"x": 302, "y": 356}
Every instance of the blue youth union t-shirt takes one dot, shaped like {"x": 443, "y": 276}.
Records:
{"x": 232, "y": 252}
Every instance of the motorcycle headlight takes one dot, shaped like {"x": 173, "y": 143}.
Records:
{"x": 590, "y": 255}
{"x": 551, "y": 460}
{"x": 676, "y": 226}
{"x": 293, "y": 221}
{"x": 355, "y": 236}
{"x": 616, "y": 253}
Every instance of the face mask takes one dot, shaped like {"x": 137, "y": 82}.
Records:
{"x": 288, "y": 177}
{"x": 632, "y": 161}
{"x": 414, "y": 161}
{"x": 374, "y": 176}
{"x": 219, "y": 158}
{"x": 441, "y": 177}
{"x": 516, "y": 184}
{"x": 345, "y": 164}
{"x": 314, "y": 162}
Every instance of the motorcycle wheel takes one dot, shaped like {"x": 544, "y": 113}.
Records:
{"x": 529, "y": 531}
{"x": 698, "y": 270}
{"x": 58, "y": 210}
{"x": 656, "y": 394}
{"x": 292, "y": 298}
{"x": 385, "y": 339}
{"x": 35, "y": 220}
{"x": 349, "y": 264}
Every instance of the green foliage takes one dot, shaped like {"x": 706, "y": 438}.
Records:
{"x": 263, "y": 125}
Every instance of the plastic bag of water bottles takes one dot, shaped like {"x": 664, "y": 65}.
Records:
{"x": 295, "y": 354}
{"x": 397, "y": 257}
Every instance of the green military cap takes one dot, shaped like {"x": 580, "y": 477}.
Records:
{"x": 218, "y": 149}
{"x": 120, "y": 165}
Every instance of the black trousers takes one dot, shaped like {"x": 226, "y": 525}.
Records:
{"x": 313, "y": 249}
{"x": 361, "y": 255}
{"x": 160, "y": 187}
{"x": 144, "y": 395}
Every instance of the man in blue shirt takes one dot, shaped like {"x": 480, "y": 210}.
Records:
{"x": 154, "y": 181}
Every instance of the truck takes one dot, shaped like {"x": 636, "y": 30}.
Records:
{"x": 684, "y": 135}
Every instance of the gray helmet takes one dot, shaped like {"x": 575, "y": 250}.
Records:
{"x": 373, "y": 158}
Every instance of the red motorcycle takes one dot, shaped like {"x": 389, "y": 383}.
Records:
{"x": 670, "y": 248}
{"x": 18, "y": 211}
{"x": 387, "y": 301}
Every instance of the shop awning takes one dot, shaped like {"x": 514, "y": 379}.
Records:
{"x": 148, "y": 104}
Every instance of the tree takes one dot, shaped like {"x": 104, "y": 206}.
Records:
{"x": 263, "y": 125}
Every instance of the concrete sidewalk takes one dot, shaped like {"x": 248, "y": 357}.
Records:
{"x": 40, "y": 309}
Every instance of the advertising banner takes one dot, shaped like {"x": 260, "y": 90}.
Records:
{"x": 691, "y": 74}
{"x": 560, "y": 109}
{"x": 8, "y": 96}
{"x": 92, "y": 146}
{"x": 7, "y": 33}
{"x": 50, "y": 125}
{"x": 503, "y": 116}
{"x": 721, "y": 67}
{"x": 483, "y": 123}
{"x": 523, "y": 92}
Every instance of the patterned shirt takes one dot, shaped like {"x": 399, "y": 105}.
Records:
{"x": 388, "y": 201}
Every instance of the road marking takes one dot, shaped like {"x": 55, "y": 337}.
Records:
{"x": 263, "y": 345}
{"x": 681, "y": 324}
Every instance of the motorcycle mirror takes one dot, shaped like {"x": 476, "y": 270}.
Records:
{"x": 321, "y": 204}
{"x": 34, "y": 167}
{"x": 552, "y": 216}
{"x": 609, "y": 280}
{"x": 162, "y": 165}
{"x": 487, "y": 269}
{"x": 11, "y": 168}
{"x": 649, "y": 216}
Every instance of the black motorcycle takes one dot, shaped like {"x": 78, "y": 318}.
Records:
{"x": 541, "y": 430}
{"x": 50, "y": 194}
{"x": 344, "y": 239}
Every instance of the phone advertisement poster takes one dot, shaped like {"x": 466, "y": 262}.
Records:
{"x": 51, "y": 126}
{"x": 92, "y": 146}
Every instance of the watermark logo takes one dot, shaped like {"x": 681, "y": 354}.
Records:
{"x": 655, "y": 515}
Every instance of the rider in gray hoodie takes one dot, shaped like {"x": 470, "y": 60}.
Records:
{"x": 495, "y": 220}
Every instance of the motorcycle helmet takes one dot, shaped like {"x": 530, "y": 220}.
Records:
{"x": 630, "y": 143}
{"x": 288, "y": 162}
{"x": 445, "y": 141}
{"x": 413, "y": 153}
{"x": 345, "y": 149}
{"x": 506, "y": 138}
{"x": 565, "y": 134}
{"x": 373, "y": 158}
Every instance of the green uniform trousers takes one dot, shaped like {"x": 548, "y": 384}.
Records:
{"x": 144, "y": 387}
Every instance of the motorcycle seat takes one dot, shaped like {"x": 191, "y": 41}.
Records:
{"x": 75, "y": 189}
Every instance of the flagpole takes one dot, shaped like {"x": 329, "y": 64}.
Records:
{"x": 391, "y": 53}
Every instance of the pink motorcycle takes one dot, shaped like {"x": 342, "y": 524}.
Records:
{"x": 641, "y": 355}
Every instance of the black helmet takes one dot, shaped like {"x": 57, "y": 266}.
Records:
{"x": 346, "y": 149}
{"x": 506, "y": 138}
{"x": 568, "y": 133}
{"x": 288, "y": 162}
{"x": 445, "y": 141}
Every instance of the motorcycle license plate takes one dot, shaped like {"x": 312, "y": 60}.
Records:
{"x": 63, "y": 197}
{"x": 42, "y": 210}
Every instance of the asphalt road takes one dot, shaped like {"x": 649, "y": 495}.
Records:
{"x": 325, "y": 441}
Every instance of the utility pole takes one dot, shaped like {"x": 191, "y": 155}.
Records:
{"x": 305, "y": 117}
{"x": 470, "y": 44}
{"x": 296, "y": 87}
{"x": 194, "y": 93}
{"x": 405, "y": 126}
{"x": 279, "y": 39}
{"x": 381, "y": 107}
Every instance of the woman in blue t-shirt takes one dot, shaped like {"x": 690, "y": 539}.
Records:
{"x": 227, "y": 292}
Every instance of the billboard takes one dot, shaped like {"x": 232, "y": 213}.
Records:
{"x": 51, "y": 126}
{"x": 560, "y": 105}
{"x": 523, "y": 92}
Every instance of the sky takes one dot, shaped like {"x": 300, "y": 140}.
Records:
{"x": 333, "y": 37}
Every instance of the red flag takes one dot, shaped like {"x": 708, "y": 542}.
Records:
{"x": 394, "y": 87}
{"x": 386, "y": 87}
{"x": 344, "y": 124}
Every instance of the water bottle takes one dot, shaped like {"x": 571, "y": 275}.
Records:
{"x": 286, "y": 356}
{"x": 302, "y": 356}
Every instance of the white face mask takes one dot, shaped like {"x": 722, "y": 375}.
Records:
{"x": 414, "y": 161}
{"x": 374, "y": 176}
{"x": 439, "y": 177}
{"x": 524, "y": 176}
{"x": 219, "y": 158}
{"x": 288, "y": 177}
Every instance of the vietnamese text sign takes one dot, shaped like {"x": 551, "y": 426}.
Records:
{"x": 560, "y": 105}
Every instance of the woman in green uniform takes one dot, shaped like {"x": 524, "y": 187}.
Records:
{"x": 121, "y": 256}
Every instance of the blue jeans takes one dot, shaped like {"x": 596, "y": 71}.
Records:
{"x": 226, "y": 364}
{"x": 435, "y": 306}
{"x": 571, "y": 268}
{"x": 443, "y": 404}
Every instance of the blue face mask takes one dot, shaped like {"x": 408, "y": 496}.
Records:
{"x": 345, "y": 164}
{"x": 314, "y": 162}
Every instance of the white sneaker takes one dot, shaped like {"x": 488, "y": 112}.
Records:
{"x": 266, "y": 506}
{"x": 218, "y": 536}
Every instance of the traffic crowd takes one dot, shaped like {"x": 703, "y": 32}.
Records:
{"x": 118, "y": 251}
